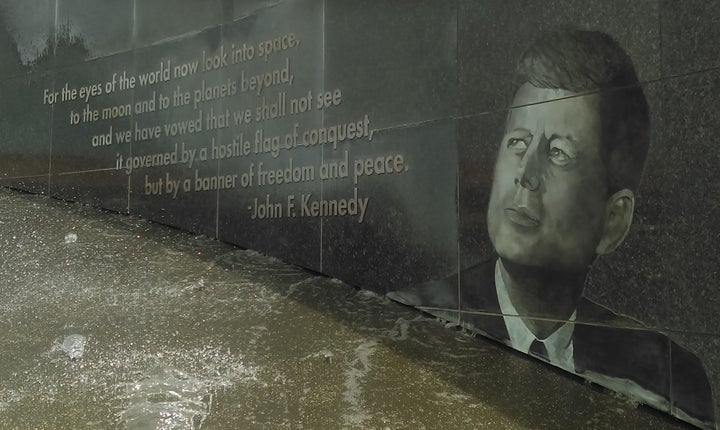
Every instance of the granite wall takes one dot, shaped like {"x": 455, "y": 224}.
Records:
{"x": 358, "y": 138}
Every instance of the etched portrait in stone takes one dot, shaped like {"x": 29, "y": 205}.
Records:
{"x": 563, "y": 193}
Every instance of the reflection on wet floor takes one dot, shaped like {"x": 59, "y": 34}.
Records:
{"x": 112, "y": 322}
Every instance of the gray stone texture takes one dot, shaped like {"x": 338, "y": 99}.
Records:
{"x": 435, "y": 79}
{"x": 689, "y": 35}
{"x": 295, "y": 238}
{"x": 84, "y": 28}
{"x": 158, "y": 20}
{"x": 493, "y": 33}
{"x": 395, "y": 60}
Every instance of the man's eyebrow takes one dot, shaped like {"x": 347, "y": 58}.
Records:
{"x": 569, "y": 137}
{"x": 520, "y": 130}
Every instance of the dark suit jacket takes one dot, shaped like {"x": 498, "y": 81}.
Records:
{"x": 603, "y": 342}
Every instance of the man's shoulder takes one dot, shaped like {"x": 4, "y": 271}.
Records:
{"x": 621, "y": 348}
{"x": 591, "y": 312}
{"x": 616, "y": 348}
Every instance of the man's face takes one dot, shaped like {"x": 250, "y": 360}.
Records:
{"x": 547, "y": 206}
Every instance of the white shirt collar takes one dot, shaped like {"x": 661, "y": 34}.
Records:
{"x": 559, "y": 344}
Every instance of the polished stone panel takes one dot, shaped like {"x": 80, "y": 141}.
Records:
{"x": 363, "y": 147}
{"x": 83, "y": 144}
{"x": 156, "y": 20}
{"x": 407, "y": 232}
{"x": 9, "y": 54}
{"x": 293, "y": 70}
{"x": 239, "y": 9}
{"x": 269, "y": 125}
{"x": 705, "y": 347}
{"x": 26, "y": 36}
{"x": 278, "y": 229}
{"x": 108, "y": 189}
{"x": 632, "y": 279}
{"x": 184, "y": 131}
{"x": 689, "y": 33}
{"x": 478, "y": 141}
{"x": 26, "y": 133}
{"x": 682, "y": 179}
{"x": 266, "y": 216}
{"x": 84, "y": 155}
{"x": 395, "y": 61}
{"x": 85, "y": 30}
{"x": 492, "y": 34}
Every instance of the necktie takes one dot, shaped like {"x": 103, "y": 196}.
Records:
{"x": 538, "y": 349}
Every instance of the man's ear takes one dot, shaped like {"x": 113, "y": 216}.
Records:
{"x": 618, "y": 217}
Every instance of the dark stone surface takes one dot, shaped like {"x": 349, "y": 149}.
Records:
{"x": 156, "y": 20}
{"x": 9, "y": 54}
{"x": 672, "y": 248}
{"x": 689, "y": 35}
{"x": 107, "y": 189}
{"x": 688, "y": 200}
{"x": 492, "y": 35}
{"x": 84, "y": 27}
{"x": 394, "y": 61}
{"x": 409, "y": 231}
{"x": 434, "y": 79}
{"x": 33, "y": 184}
{"x": 478, "y": 142}
{"x": 666, "y": 272}
{"x": 26, "y": 136}
{"x": 705, "y": 347}
{"x": 80, "y": 170}
{"x": 26, "y": 36}
{"x": 292, "y": 238}
{"x": 302, "y": 61}
{"x": 196, "y": 208}
{"x": 631, "y": 280}
{"x": 73, "y": 143}
{"x": 238, "y": 9}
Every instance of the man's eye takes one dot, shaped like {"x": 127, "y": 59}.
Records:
{"x": 517, "y": 145}
{"x": 558, "y": 156}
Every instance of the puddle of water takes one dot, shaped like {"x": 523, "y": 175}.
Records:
{"x": 74, "y": 346}
{"x": 167, "y": 399}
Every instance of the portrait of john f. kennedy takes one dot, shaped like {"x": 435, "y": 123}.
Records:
{"x": 563, "y": 193}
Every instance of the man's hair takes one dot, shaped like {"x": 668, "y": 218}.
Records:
{"x": 591, "y": 61}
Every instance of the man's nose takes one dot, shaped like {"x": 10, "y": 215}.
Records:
{"x": 529, "y": 172}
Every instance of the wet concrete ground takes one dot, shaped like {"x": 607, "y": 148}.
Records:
{"x": 113, "y": 322}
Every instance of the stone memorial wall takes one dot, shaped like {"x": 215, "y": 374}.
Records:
{"x": 477, "y": 159}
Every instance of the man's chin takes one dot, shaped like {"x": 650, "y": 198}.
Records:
{"x": 531, "y": 254}
{"x": 525, "y": 249}
{"x": 520, "y": 257}
{"x": 518, "y": 251}
{"x": 520, "y": 247}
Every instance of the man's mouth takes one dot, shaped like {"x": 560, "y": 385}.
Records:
{"x": 522, "y": 217}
